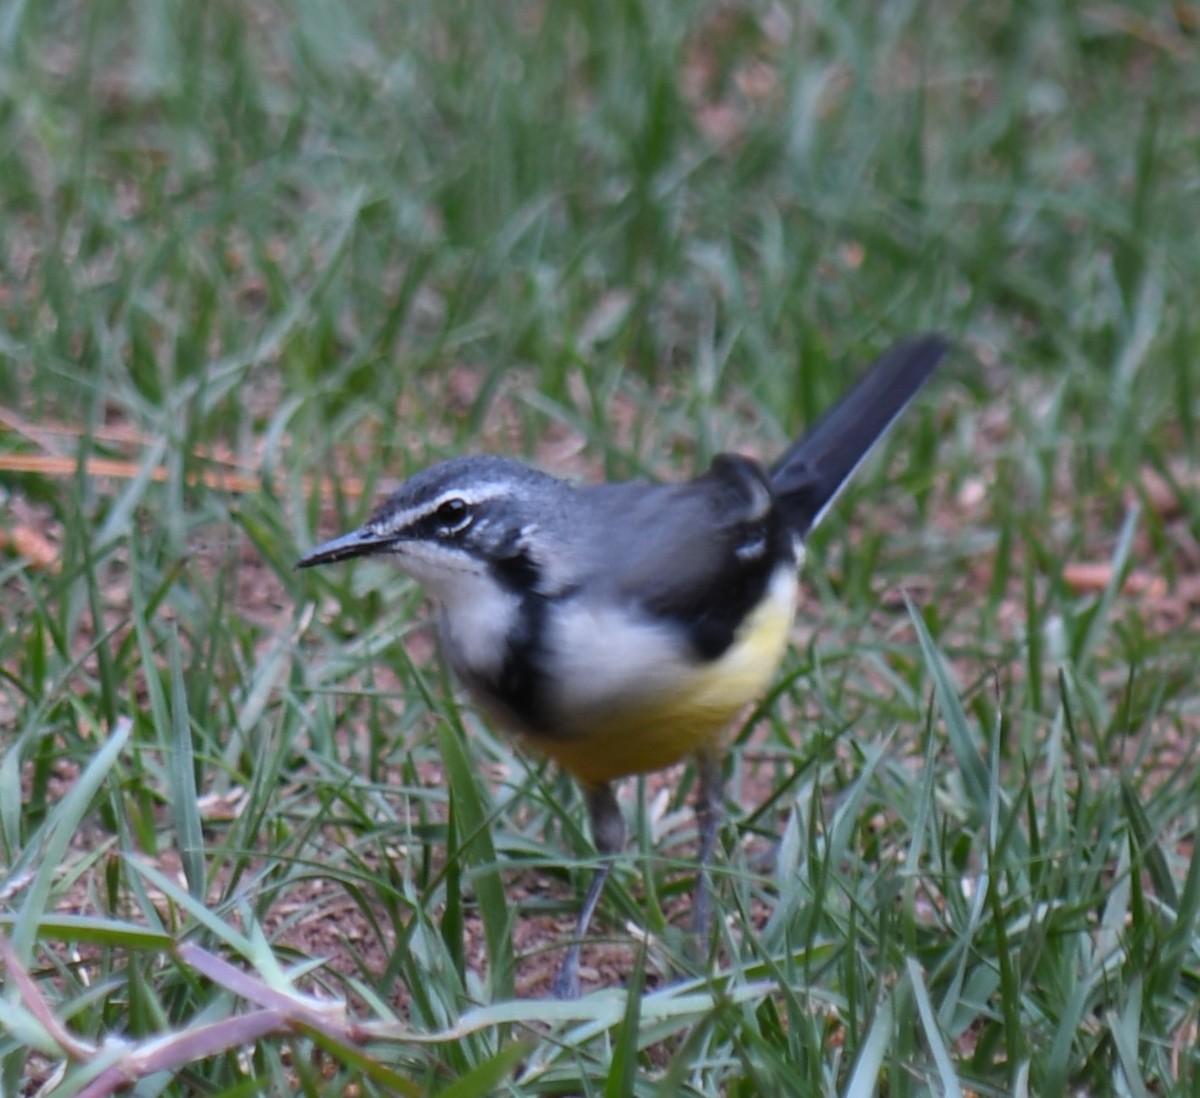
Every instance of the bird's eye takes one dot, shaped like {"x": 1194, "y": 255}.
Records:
{"x": 453, "y": 515}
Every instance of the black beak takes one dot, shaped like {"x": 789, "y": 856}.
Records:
{"x": 362, "y": 542}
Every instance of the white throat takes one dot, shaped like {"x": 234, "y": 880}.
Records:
{"x": 477, "y": 616}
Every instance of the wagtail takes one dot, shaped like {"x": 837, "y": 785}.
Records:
{"x": 620, "y": 628}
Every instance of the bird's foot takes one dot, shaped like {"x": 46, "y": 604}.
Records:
{"x": 566, "y": 982}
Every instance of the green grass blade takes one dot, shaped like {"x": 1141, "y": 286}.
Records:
{"x": 967, "y": 755}
{"x": 58, "y": 832}
{"x": 181, "y": 772}
{"x": 476, "y": 847}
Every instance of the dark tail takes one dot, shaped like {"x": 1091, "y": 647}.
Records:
{"x": 811, "y": 473}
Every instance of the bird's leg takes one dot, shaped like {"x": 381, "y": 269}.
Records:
{"x": 608, "y": 833}
{"x": 710, "y": 776}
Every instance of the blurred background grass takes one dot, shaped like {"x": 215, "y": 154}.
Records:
{"x": 266, "y": 259}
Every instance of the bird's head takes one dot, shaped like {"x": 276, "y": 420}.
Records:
{"x": 456, "y": 523}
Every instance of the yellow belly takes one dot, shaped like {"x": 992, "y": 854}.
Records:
{"x": 693, "y": 710}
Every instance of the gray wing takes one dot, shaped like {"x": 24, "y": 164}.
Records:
{"x": 700, "y": 554}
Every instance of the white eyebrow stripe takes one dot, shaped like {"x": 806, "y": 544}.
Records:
{"x": 476, "y": 493}
{"x": 472, "y": 495}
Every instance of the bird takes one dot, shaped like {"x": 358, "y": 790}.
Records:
{"x": 619, "y": 628}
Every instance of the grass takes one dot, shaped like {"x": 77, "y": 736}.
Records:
{"x": 266, "y": 260}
